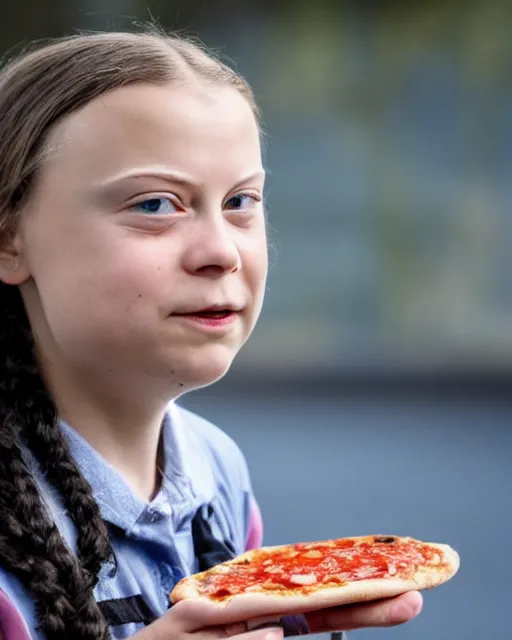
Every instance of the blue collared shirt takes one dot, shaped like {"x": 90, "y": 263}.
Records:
{"x": 205, "y": 473}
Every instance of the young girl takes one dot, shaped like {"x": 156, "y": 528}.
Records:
{"x": 133, "y": 262}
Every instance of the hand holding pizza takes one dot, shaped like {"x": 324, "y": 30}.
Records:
{"x": 192, "y": 620}
{"x": 313, "y": 587}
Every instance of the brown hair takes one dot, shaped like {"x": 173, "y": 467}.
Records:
{"x": 37, "y": 90}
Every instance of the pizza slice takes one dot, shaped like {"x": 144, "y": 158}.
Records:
{"x": 308, "y": 576}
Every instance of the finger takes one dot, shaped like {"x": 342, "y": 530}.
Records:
{"x": 197, "y": 615}
{"x": 268, "y": 633}
{"x": 237, "y": 631}
{"x": 192, "y": 615}
{"x": 382, "y": 613}
{"x": 172, "y": 626}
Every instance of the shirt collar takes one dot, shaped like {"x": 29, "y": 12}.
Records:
{"x": 118, "y": 503}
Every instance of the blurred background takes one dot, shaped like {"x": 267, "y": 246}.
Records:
{"x": 374, "y": 395}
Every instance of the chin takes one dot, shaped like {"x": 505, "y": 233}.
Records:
{"x": 202, "y": 370}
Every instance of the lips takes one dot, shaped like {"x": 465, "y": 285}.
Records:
{"x": 221, "y": 313}
{"x": 217, "y": 318}
{"x": 213, "y": 311}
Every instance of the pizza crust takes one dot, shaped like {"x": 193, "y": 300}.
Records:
{"x": 248, "y": 605}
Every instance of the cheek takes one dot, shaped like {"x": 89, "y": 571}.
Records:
{"x": 101, "y": 294}
{"x": 256, "y": 261}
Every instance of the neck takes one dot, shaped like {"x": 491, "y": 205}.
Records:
{"x": 131, "y": 448}
{"x": 123, "y": 428}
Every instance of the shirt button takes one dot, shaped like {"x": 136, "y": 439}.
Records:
{"x": 153, "y": 515}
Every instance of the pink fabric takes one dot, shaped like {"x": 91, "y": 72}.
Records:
{"x": 255, "y": 532}
{"x": 11, "y": 623}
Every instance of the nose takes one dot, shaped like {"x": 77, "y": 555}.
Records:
{"x": 211, "y": 248}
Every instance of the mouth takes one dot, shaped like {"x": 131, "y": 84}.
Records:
{"x": 215, "y": 311}
{"x": 215, "y": 316}
{"x": 211, "y": 315}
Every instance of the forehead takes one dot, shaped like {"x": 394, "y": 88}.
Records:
{"x": 196, "y": 128}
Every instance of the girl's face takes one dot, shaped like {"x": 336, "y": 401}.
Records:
{"x": 149, "y": 208}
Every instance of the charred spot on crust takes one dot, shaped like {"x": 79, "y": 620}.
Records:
{"x": 222, "y": 593}
{"x": 385, "y": 539}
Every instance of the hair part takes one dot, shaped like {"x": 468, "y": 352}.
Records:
{"x": 37, "y": 90}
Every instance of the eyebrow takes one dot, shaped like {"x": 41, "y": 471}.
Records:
{"x": 169, "y": 176}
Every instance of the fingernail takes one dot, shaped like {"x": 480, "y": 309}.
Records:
{"x": 273, "y": 634}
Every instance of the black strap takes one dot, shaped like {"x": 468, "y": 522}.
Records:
{"x": 127, "y": 610}
{"x": 208, "y": 550}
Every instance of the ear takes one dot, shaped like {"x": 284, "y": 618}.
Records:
{"x": 13, "y": 267}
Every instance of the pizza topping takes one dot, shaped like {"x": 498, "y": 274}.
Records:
{"x": 304, "y": 579}
{"x": 385, "y": 539}
{"x": 305, "y": 567}
{"x": 274, "y": 570}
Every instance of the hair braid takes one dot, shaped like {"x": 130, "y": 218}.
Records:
{"x": 93, "y": 545}
{"x": 30, "y": 543}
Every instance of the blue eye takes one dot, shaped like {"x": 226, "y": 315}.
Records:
{"x": 159, "y": 206}
{"x": 241, "y": 201}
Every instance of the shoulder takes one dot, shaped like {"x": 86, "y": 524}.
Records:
{"x": 210, "y": 433}
{"x": 218, "y": 470}
{"x": 222, "y": 451}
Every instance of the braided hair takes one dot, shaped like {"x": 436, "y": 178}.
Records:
{"x": 37, "y": 90}
{"x": 31, "y": 546}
